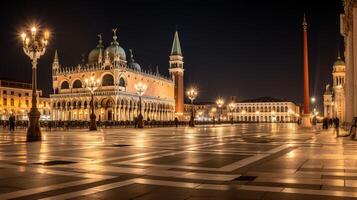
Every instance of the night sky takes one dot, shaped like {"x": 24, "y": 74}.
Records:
{"x": 243, "y": 48}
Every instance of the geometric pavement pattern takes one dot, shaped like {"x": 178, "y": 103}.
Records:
{"x": 243, "y": 161}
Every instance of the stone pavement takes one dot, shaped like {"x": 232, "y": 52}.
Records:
{"x": 245, "y": 161}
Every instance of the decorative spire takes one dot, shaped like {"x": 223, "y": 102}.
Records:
{"x": 107, "y": 59}
{"x": 304, "y": 23}
{"x": 55, "y": 64}
{"x": 338, "y": 55}
{"x": 100, "y": 56}
{"x": 131, "y": 55}
{"x": 157, "y": 70}
{"x": 115, "y": 37}
{"x": 176, "y": 47}
{"x": 100, "y": 42}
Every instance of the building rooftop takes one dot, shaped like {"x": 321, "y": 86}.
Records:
{"x": 15, "y": 84}
{"x": 263, "y": 99}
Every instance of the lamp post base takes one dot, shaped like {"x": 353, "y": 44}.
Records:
{"x": 34, "y": 131}
{"x": 306, "y": 121}
{"x": 92, "y": 123}
{"x": 191, "y": 123}
{"x": 140, "y": 121}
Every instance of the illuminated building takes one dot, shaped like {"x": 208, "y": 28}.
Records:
{"x": 116, "y": 99}
{"x": 15, "y": 98}
{"x": 334, "y": 98}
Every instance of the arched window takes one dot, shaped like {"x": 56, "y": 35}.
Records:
{"x": 77, "y": 84}
{"x": 108, "y": 80}
{"x": 65, "y": 85}
{"x": 122, "y": 82}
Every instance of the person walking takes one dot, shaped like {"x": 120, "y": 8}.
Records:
{"x": 176, "y": 122}
{"x": 12, "y": 123}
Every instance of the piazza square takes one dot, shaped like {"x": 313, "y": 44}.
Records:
{"x": 178, "y": 100}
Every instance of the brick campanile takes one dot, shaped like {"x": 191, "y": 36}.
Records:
{"x": 176, "y": 71}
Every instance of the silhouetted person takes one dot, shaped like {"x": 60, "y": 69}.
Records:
{"x": 176, "y": 122}
{"x": 12, "y": 123}
{"x": 336, "y": 123}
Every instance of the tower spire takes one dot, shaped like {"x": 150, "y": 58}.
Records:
{"x": 177, "y": 72}
{"x": 100, "y": 46}
{"x": 115, "y": 37}
{"x": 55, "y": 64}
{"x": 176, "y": 46}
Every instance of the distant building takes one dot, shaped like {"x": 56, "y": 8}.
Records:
{"x": 116, "y": 99}
{"x": 334, "y": 98}
{"x": 15, "y": 98}
{"x": 264, "y": 109}
{"x": 205, "y": 111}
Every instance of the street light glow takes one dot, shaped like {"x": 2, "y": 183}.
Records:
{"x": 33, "y": 30}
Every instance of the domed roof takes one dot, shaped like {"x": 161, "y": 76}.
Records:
{"x": 339, "y": 61}
{"x": 94, "y": 54}
{"x": 115, "y": 50}
{"x": 132, "y": 64}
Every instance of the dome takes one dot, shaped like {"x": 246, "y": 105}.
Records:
{"x": 114, "y": 49}
{"x": 94, "y": 54}
{"x": 339, "y": 62}
{"x": 135, "y": 65}
{"x": 132, "y": 64}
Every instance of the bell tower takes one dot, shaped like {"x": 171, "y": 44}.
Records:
{"x": 176, "y": 71}
{"x": 55, "y": 70}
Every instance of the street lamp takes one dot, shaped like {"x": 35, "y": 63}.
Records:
{"x": 220, "y": 103}
{"x": 34, "y": 47}
{"x": 232, "y": 106}
{"x": 92, "y": 85}
{"x": 140, "y": 90}
{"x": 192, "y": 94}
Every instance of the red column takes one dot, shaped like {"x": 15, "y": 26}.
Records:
{"x": 306, "y": 71}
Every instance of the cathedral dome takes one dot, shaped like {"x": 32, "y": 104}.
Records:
{"x": 114, "y": 50}
{"x": 93, "y": 55}
{"x": 132, "y": 63}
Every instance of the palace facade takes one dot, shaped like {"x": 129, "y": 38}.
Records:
{"x": 264, "y": 109}
{"x": 15, "y": 98}
{"x": 116, "y": 98}
{"x": 334, "y": 98}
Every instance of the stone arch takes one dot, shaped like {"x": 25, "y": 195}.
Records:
{"x": 64, "y": 85}
{"x": 122, "y": 82}
{"x": 107, "y": 79}
{"x": 77, "y": 84}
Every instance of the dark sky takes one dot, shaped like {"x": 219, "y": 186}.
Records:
{"x": 242, "y": 48}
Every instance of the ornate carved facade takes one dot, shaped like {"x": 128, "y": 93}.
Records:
{"x": 116, "y": 98}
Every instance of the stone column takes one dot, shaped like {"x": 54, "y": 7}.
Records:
{"x": 349, "y": 77}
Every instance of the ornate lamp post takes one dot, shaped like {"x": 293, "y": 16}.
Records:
{"x": 92, "y": 85}
{"x": 220, "y": 103}
{"x": 192, "y": 94}
{"x": 140, "y": 90}
{"x": 232, "y": 106}
{"x": 34, "y": 47}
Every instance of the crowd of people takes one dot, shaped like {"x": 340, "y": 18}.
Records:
{"x": 332, "y": 122}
